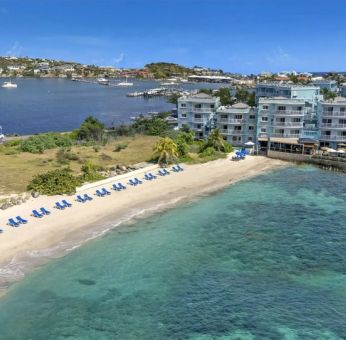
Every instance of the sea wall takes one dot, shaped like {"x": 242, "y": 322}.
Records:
{"x": 329, "y": 162}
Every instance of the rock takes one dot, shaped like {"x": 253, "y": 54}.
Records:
{"x": 5, "y": 206}
{"x": 122, "y": 168}
{"x": 35, "y": 194}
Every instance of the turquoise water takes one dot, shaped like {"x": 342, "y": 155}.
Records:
{"x": 263, "y": 259}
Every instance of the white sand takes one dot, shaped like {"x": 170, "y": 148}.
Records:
{"x": 49, "y": 231}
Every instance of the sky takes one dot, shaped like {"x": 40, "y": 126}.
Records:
{"x": 244, "y": 36}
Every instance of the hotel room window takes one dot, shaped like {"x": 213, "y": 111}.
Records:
{"x": 264, "y": 119}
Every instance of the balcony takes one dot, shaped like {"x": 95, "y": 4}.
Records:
{"x": 235, "y": 132}
{"x": 333, "y": 114}
{"x": 289, "y": 113}
{"x": 231, "y": 121}
{"x": 284, "y": 135}
{"x": 198, "y": 120}
{"x": 297, "y": 125}
{"x": 333, "y": 126}
{"x": 202, "y": 109}
{"x": 334, "y": 138}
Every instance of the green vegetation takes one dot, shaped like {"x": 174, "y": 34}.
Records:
{"x": 90, "y": 172}
{"x": 244, "y": 96}
{"x": 60, "y": 181}
{"x": 225, "y": 96}
{"x": 39, "y": 143}
{"x": 165, "y": 70}
{"x": 165, "y": 151}
{"x": 90, "y": 130}
{"x": 152, "y": 126}
{"x": 328, "y": 95}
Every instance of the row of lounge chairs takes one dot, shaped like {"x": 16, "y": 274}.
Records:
{"x": 16, "y": 222}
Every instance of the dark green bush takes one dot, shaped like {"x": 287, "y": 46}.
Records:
{"x": 39, "y": 143}
{"x": 55, "y": 182}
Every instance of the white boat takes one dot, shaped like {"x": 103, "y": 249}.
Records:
{"x": 102, "y": 81}
{"x": 125, "y": 83}
{"x": 9, "y": 84}
{"x": 171, "y": 83}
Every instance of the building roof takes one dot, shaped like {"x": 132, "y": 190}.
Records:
{"x": 240, "y": 106}
{"x": 337, "y": 100}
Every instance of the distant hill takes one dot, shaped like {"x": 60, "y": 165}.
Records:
{"x": 162, "y": 70}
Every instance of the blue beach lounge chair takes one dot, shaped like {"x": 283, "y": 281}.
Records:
{"x": 59, "y": 206}
{"x": 138, "y": 181}
{"x": 121, "y": 186}
{"x": 87, "y": 197}
{"x": 1, "y": 231}
{"x": 80, "y": 199}
{"x": 21, "y": 220}
{"x": 179, "y": 167}
{"x": 115, "y": 187}
{"x": 12, "y": 222}
{"x": 44, "y": 211}
{"x": 151, "y": 175}
{"x": 175, "y": 169}
{"x": 36, "y": 214}
{"x": 99, "y": 193}
{"x": 132, "y": 182}
{"x": 147, "y": 177}
{"x": 66, "y": 204}
{"x": 105, "y": 191}
{"x": 161, "y": 173}
{"x": 166, "y": 172}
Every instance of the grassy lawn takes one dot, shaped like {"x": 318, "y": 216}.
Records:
{"x": 17, "y": 170}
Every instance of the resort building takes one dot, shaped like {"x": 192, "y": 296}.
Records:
{"x": 198, "y": 113}
{"x": 332, "y": 122}
{"x": 330, "y": 85}
{"x": 343, "y": 90}
{"x": 279, "y": 89}
{"x": 237, "y": 123}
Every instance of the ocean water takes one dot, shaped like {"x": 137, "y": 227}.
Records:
{"x": 41, "y": 105}
{"x": 262, "y": 259}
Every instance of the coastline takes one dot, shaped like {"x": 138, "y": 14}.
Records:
{"x": 25, "y": 249}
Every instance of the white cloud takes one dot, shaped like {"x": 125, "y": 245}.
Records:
{"x": 119, "y": 59}
{"x": 15, "y": 50}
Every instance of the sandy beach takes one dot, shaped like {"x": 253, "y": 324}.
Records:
{"x": 39, "y": 237}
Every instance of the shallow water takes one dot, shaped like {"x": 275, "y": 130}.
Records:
{"x": 263, "y": 259}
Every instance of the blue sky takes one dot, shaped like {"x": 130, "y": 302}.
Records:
{"x": 236, "y": 35}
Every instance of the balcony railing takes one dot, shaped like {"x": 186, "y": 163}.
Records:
{"x": 289, "y": 124}
{"x": 289, "y": 113}
{"x": 333, "y": 114}
{"x": 333, "y": 126}
{"x": 284, "y": 135}
{"x": 333, "y": 138}
{"x": 202, "y": 109}
{"x": 231, "y": 121}
{"x": 198, "y": 120}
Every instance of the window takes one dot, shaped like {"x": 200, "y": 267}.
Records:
{"x": 234, "y": 138}
{"x": 212, "y": 106}
{"x": 263, "y": 130}
{"x": 281, "y": 120}
{"x": 295, "y": 120}
{"x": 343, "y": 133}
{"x": 249, "y": 139}
{"x": 326, "y": 121}
{"x": 199, "y": 126}
{"x": 342, "y": 121}
{"x": 198, "y": 106}
{"x": 225, "y": 127}
{"x": 299, "y": 108}
{"x": 265, "y": 107}
{"x": 295, "y": 132}
{"x": 198, "y": 116}
{"x": 264, "y": 119}
{"x": 280, "y": 131}
{"x": 182, "y": 105}
{"x": 238, "y": 117}
{"x": 237, "y": 128}
{"x": 330, "y": 109}
{"x": 326, "y": 133}
{"x": 251, "y": 128}
{"x": 342, "y": 109}
{"x": 252, "y": 117}
{"x": 224, "y": 116}
{"x": 183, "y": 115}
{"x": 282, "y": 108}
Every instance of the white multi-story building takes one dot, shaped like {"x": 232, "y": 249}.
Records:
{"x": 237, "y": 123}
{"x": 198, "y": 113}
{"x": 332, "y": 122}
{"x": 343, "y": 90}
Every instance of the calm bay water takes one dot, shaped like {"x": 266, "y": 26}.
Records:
{"x": 41, "y": 105}
{"x": 263, "y": 259}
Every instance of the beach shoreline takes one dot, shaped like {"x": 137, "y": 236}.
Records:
{"x": 24, "y": 249}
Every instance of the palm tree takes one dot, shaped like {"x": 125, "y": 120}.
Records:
{"x": 166, "y": 151}
{"x": 215, "y": 140}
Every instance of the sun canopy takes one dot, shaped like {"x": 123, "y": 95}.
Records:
{"x": 249, "y": 143}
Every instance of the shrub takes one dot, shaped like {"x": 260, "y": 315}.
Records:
{"x": 55, "y": 182}
{"x": 39, "y": 143}
{"x": 90, "y": 172}
{"x": 64, "y": 156}
{"x": 120, "y": 146}
{"x": 91, "y": 129}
